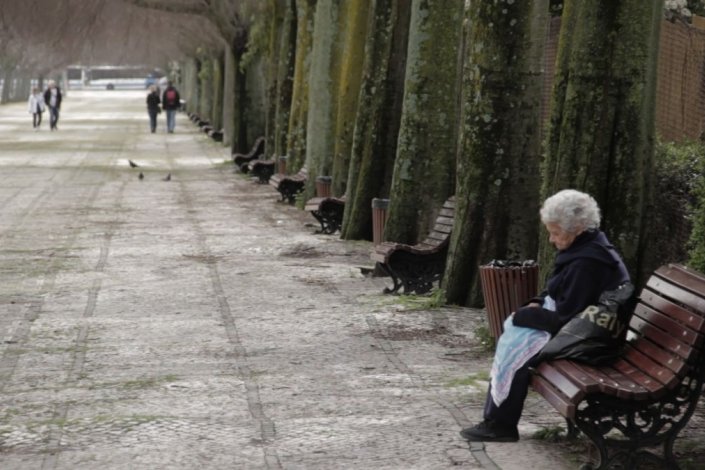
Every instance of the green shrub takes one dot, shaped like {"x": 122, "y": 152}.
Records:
{"x": 677, "y": 175}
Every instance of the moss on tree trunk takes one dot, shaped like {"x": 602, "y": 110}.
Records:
{"x": 498, "y": 185}
{"x": 424, "y": 169}
{"x": 298, "y": 115}
{"x": 602, "y": 123}
{"x": 378, "y": 117}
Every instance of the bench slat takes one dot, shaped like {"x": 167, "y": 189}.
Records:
{"x": 614, "y": 383}
{"x": 562, "y": 404}
{"x": 642, "y": 324}
{"x": 663, "y": 357}
{"x": 673, "y": 310}
{"x": 654, "y": 387}
{"x": 650, "y": 367}
{"x": 578, "y": 376}
{"x": 681, "y": 296}
{"x": 559, "y": 380}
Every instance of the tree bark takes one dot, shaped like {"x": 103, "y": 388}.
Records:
{"x": 348, "y": 72}
{"x": 424, "y": 169}
{"x": 602, "y": 124}
{"x": 285, "y": 77}
{"x": 378, "y": 116}
{"x": 298, "y": 115}
{"x": 498, "y": 179}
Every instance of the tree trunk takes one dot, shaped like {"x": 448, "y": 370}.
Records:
{"x": 498, "y": 186}
{"x": 378, "y": 116}
{"x": 217, "y": 87}
{"x": 298, "y": 116}
{"x": 229, "y": 103}
{"x": 349, "y": 78}
{"x": 424, "y": 169}
{"x": 275, "y": 13}
{"x": 322, "y": 92}
{"x": 189, "y": 80}
{"x": 205, "y": 87}
{"x": 602, "y": 124}
{"x": 285, "y": 77}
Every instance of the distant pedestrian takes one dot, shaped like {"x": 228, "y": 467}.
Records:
{"x": 153, "y": 108}
{"x": 171, "y": 101}
{"x": 52, "y": 98}
{"x": 36, "y": 107}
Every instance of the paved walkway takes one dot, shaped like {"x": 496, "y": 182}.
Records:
{"x": 198, "y": 323}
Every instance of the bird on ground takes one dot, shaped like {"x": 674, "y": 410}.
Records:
{"x": 167, "y": 177}
{"x": 133, "y": 164}
{"x": 141, "y": 175}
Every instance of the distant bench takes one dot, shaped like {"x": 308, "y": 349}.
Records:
{"x": 328, "y": 211}
{"x": 648, "y": 395}
{"x": 262, "y": 169}
{"x": 417, "y": 267}
{"x": 289, "y": 185}
{"x": 242, "y": 159}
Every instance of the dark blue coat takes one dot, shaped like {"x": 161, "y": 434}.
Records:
{"x": 588, "y": 267}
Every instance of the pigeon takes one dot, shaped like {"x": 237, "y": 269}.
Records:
{"x": 133, "y": 164}
{"x": 141, "y": 175}
{"x": 167, "y": 177}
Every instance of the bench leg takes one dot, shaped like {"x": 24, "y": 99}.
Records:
{"x": 319, "y": 218}
{"x": 395, "y": 279}
{"x": 418, "y": 272}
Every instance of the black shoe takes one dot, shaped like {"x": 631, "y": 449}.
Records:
{"x": 489, "y": 431}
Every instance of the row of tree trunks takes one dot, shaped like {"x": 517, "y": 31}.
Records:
{"x": 375, "y": 94}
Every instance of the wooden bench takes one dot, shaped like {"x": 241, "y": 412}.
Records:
{"x": 262, "y": 169}
{"x": 646, "y": 396}
{"x": 328, "y": 211}
{"x": 216, "y": 135}
{"x": 289, "y": 185}
{"x": 242, "y": 159}
{"x": 417, "y": 267}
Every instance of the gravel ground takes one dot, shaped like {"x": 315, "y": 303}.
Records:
{"x": 200, "y": 323}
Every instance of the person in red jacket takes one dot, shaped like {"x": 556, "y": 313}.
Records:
{"x": 171, "y": 102}
{"x": 586, "y": 265}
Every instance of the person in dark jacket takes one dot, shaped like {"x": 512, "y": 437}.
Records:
{"x": 153, "y": 108}
{"x": 586, "y": 265}
{"x": 171, "y": 102}
{"x": 52, "y": 99}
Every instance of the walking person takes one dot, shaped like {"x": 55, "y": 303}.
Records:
{"x": 52, "y": 98}
{"x": 171, "y": 101}
{"x": 153, "y": 108}
{"x": 36, "y": 107}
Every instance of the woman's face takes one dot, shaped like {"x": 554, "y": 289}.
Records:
{"x": 559, "y": 237}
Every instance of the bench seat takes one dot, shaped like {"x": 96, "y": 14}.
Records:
{"x": 328, "y": 211}
{"x": 262, "y": 169}
{"x": 289, "y": 185}
{"x": 417, "y": 267}
{"x": 650, "y": 392}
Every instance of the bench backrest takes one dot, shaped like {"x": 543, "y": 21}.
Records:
{"x": 440, "y": 234}
{"x": 257, "y": 148}
{"x": 667, "y": 330}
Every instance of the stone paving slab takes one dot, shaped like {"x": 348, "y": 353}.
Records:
{"x": 199, "y": 323}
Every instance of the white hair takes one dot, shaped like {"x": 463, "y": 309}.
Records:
{"x": 571, "y": 210}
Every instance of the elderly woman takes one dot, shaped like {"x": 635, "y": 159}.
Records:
{"x": 586, "y": 265}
